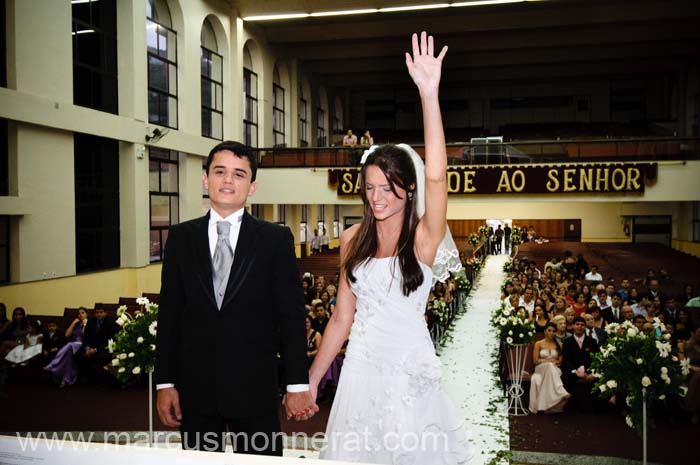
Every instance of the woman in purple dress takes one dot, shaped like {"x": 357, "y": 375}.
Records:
{"x": 63, "y": 365}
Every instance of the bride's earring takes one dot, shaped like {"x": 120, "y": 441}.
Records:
{"x": 410, "y": 195}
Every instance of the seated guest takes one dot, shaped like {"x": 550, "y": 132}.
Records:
{"x": 31, "y": 347}
{"x": 593, "y": 275}
{"x": 4, "y": 322}
{"x": 640, "y": 308}
{"x": 624, "y": 290}
{"x": 560, "y": 306}
{"x": 561, "y": 333}
{"x": 580, "y": 306}
{"x": 63, "y": 366}
{"x": 15, "y": 332}
{"x": 547, "y": 302}
{"x": 313, "y": 341}
{"x": 597, "y": 334}
{"x": 627, "y": 314}
{"x": 632, "y": 297}
{"x": 691, "y": 351}
{"x": 98, "y": 331}
{"x": 671, "y": 310}
{"x": 682, "y": 326}
{"x": 613, "y": 313}
{"x": 320, "y": 321}
{"x": 639, "y": 321}
{"x": 576, "y": 357}
{"x": 602, "y": 298}
{"x": 528, "y": 300}
{"x": 52, "y": 341}
{"x": 688, "y": 293}
{"x": 598, "y": 321}
{"x": 540, "y": 319}
{"x": 547, "y": 393}
{"x": 570, "y": 316}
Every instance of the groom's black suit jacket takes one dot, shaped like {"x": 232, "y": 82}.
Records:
{"x": 224, "y": 362}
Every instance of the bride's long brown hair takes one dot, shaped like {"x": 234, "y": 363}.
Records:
{"x": 397, "y": 166}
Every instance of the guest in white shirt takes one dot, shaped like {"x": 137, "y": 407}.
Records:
{"x": 593, "y": 275}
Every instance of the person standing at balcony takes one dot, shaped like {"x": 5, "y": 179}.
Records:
{"x": 350, "y": 139}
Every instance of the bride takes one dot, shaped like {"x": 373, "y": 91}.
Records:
{"x": 388, "y": 406}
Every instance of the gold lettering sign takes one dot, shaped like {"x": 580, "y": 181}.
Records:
{"x": 603, "y": 178}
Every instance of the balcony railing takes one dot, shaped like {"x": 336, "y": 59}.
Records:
{"x": 548, "y": 151}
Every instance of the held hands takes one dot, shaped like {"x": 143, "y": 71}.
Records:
{"x": 300, "y": 405}
{"x": 424, "y": 67}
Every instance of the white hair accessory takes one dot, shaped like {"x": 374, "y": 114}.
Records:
{"x": 447, "y": 256}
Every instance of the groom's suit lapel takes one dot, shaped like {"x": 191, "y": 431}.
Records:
{"x": 242, "y": 258}
{"x": 203, "y": 253}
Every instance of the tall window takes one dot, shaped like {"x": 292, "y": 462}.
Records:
{"x": 257, "y": 210}
{"x": 277, "y": 112}
{"x": 336, "y": 220}
{"x": 161, "y": 42}
{"x": 695, "y": 222}
{"x": 95, "y": 54}
{"x": 96, "y": 164}
{"x": 281, "y": 214}
{"x": 212, "y": 87}
{"x": 250, "y": 117}
{"x": 4, "y": 159}
{"x": 303, "y": 124}
{"x": 4, "y": 249}
{"x": 163, "y": 182}
{"x": 320, "y": 127}
{"x": 3, "y": 47}
{"x": 336, "y": 126}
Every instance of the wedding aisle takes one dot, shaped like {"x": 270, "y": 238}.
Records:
{"x": 469, "y": 377}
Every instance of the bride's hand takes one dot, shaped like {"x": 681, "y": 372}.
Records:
{"x": 424, "y": 67}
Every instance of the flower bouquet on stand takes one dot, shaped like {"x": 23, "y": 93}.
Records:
{"x": 516, "y": 235}
{"x": 474, "y": 240}
{"x": 516, "y": 332}
{"x": 639, "y": 369}
{"x": 133, "y": 347}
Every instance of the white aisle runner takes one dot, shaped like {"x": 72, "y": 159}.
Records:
{"x": 469, "y": 377}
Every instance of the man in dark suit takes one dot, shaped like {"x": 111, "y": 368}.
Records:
{"x": 98, "y": 331}
{"x": 216, "y": 351}
{"x": 613, "y": 313}
{"x": 576, "y": 356}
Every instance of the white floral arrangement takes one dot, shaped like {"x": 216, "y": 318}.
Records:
{"x": 133, "y": 347}
{"x": 484, "y": 232}
{"x": 634, "y": 364}
{"x": 475, "y": 239}
{"x": 475, "y": 263}
{"x": 463, "y": 283}
{"x": 514, "y": 327}
{"x": 516, "y": 235}
{"x": 439, "y": 310}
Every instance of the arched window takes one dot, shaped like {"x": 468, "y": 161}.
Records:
{"x": 250, "y": 91}
{"x": 94, "y": 37}
{"x": 277, "y": 109}
{"x": 212, "y": 85}
{"x": 161, "y": 42}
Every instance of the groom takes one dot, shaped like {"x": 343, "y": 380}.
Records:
{"x": 230, "y": 300}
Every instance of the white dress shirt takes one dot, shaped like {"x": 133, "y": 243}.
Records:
{"x": 235, "y": 220}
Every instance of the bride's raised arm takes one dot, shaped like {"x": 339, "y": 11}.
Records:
{"x": 425, "y": 70}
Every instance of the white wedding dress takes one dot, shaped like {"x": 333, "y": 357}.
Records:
{"x": 389, "y": 407}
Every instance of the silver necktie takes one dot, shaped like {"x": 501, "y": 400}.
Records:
{"x": 223, "y": 259}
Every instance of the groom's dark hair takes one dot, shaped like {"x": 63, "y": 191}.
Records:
{"x": 239, "y": 150}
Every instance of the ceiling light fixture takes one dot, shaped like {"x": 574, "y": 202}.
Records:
{"x": 414, "y": 7}
{"x": 393, "y": 9}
